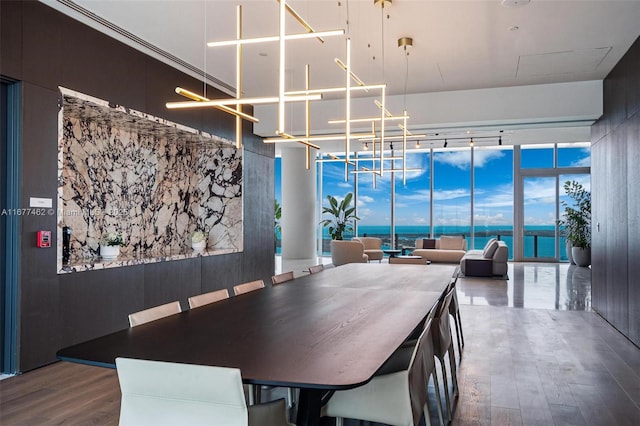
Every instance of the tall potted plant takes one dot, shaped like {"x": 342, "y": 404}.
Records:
{"x": 277, "y": 228}
{"x": 576, "y": 223}
{"x": 342, "y": 216}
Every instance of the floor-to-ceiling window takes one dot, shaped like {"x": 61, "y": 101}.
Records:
{"x": 412, "y": 212}
{"x": 543, "y": 171}
{"x": 374, "y": 200}
{"x": 476, "y": 192}
{"x": 335, "y": 181}
{"x": 452, "y": 192}
{"x": 493, "y": 195}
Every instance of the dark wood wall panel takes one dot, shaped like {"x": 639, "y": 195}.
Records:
{"x": 45, "y": 49}
{"x": 617, "y": 293}
{"x": 98, "y": 302}
{"x": 11, "y": 40}
{"x": 616, "y": 199}
{"x": 633, "y": 230}
{"x": 599, "y": 231}
{"x": 169, "y": 281}
{"x": 260, "y": 247}
{"x": 39, "y": 297}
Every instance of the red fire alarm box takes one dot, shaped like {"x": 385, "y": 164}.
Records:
{"x": 44, "y": 239}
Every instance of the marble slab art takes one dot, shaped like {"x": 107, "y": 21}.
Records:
{"x": 121, "y": 170}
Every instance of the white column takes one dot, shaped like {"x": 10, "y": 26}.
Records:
{"x": 298, "y": 220}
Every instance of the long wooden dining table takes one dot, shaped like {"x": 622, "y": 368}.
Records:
{"x": 327, "y": 331}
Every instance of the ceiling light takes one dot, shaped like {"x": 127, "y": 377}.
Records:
{"x": 405, "y": 42}
{"x": 382, "y": 3}
{"x": 445, "y": 143}
{"x": 515, "y": 3}
{"x": 471, "y": 142}
{"x": 418, "y": 144}
{"x": 366, "y": 146}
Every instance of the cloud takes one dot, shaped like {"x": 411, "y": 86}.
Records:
{"x": 450, "y": 194}
{"x": 462, "y": 159}
{"x": 459, "y": 159}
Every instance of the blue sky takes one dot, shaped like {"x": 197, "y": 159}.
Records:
{"x": 452, "y": 196}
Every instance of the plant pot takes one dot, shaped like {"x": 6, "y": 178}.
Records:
{"x": 109, "y": 252}
{"x": 581, "y": 256}
{"x": 199, "y": 246}
{"x": 569, "y": 254}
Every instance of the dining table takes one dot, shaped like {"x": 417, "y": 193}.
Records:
{"x": 319, "y": 333}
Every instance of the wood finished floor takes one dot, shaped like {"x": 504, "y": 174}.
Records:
{"x": 538, "y": 364}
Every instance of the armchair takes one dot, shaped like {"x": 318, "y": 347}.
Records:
{"x": 343, "y": 252}
{"x": 372, "y": 247}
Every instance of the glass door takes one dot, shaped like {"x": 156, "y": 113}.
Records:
{"x": 540, "y": 214}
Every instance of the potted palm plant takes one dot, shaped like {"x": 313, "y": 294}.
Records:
{"x": 576, "y": 222}
{"x": 342, "y": 216}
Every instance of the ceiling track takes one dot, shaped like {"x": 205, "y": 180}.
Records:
{"x": 135, "y": 40}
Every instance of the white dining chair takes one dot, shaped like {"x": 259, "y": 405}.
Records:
{"x": 316, "y": 268}
{"x": 165, "y": 393}
{"x": 397, "y": 395}
{"x": 207, "y": 298}
{"x": 155, "y": 313}
{"x": 247, "y": 287}
{"x": 282, "y": 278}
{"x": 443, "y": 345}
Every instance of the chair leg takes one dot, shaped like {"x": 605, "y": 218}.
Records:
{"x": 446, "y": 390}
{"x": 459, "y": 324}
{"x": 427, "y": 413}
{"x": 436, "y": 385}
{"x": 460, "y": 339}
{"x": 291, "y": 397}
{"x": 454, "y": 373}
{"x": 252, "y": 396}
{"x": 338, "y": 421}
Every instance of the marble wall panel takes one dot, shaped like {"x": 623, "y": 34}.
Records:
{"x": 156, "y": 182}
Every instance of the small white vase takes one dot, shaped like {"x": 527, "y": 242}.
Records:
{"x": 199, "y": 246}
{"x": 109, "y": 252}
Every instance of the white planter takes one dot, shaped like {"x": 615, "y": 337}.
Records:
{"x": 199, "y": 246}
{"x": 109, "y": 252}
{"x": 569, "y": 255}
{"x": 582, "y": 257}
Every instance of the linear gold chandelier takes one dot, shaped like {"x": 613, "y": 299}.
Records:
{"x": 352, "y": 83}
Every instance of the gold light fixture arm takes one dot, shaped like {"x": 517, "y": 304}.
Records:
{"x": 194, "y": 96}
{"x": 238, "y": 75}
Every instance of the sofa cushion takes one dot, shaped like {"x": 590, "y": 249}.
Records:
{"x": 451, "y": 243}
{"x": 428, "y": 243}
{"x": 490, "y": 249}
{"x": 486, "y": 246}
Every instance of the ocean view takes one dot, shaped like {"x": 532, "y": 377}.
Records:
{"x": 536, "y": 238}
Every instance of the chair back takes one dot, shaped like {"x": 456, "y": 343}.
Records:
{"x": 165, "y": 393}
{"x": 418, "y": 375}
{"x": 442, "y": 338}
{"x": 343, "y": 252}
{"x": 370, "y": 243}
{"x": 282, "y": 278}
{"x": 207, "y": 298}
{"x": 316, "y": 268}
{"x": 247, "y": 287}
{"x": 155, "y": 313}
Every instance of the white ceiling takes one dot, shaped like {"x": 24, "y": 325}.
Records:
{"x": 458, "y": 44}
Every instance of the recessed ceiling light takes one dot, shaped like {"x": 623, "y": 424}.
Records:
{"x": 515, "y": 3}
{"x": 263, "y": 54}
{"x": 514, "y": 28}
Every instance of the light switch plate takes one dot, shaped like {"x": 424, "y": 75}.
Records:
{"x": 40, "y": 202}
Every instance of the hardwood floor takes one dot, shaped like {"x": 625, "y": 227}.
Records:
{"x": 549, "y": 361}
{"x": 61, "y": 393}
